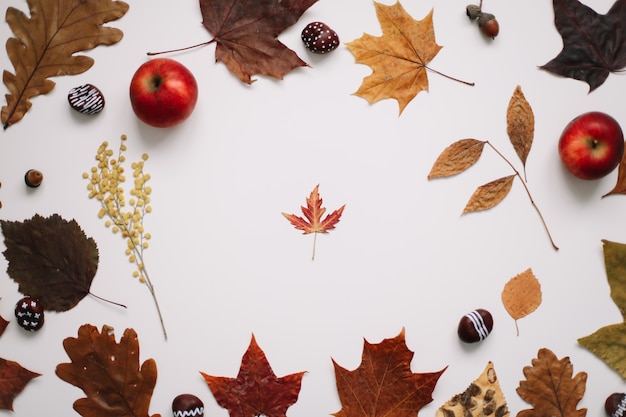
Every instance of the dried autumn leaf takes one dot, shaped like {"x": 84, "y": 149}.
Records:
{"x": 520, "y": 125}
{"x": 456, "y": 158}
{"x": 483, "y": 397}
{"x": 522, "y": 295}
{"x": 313, "y": 213}
{"x": 108, "y": 373}
{"x": 51, "y": 259}
{"x": 3, "y": 325}
{"x": 593, "y": 44}
{"x": 398, "y": 58}
{"x": 609, "y": 343}
{"x": 489, "y": 195}
{"x": 257, "y": 390}
{"x": 550, "y": 388}
{"x": 45, "y": 43}
{"x": 620, "y": 186}
{"x": 13, "y": 380}
{"x": 384, "y": 384}
{"x": 246, "y": 30}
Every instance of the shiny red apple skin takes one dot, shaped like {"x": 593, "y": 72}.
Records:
{"x": 591, "y": 145}
{"x": 163, "y": 92}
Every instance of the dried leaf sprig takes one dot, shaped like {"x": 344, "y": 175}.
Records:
{"x": 464, "y": 153}
{"x": 124, "y": 217}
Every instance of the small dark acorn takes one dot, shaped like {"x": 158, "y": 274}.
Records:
{"x": 488, "y": 25}
{"x": 319, "y": 38}
{"x": 475, "y": 326}
{"x": 187, "y": 405}
{"x": 86, "y": 99}
{"x": 29, "y": 313}
{"x": 615, "y": 405}
{"x": 33, "y": 178}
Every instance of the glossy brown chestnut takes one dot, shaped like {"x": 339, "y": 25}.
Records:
{"x": 475, "y": 326}
{"x": 29, "y": 313}
{"x": 615, "y": 405}
{"x": 33, "y": 178}
{"x": 187, "y": 405}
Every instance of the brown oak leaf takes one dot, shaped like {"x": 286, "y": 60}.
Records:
{"x": 384, "y": 384}
{"x": 51, "y": 259}
{"x": 246, "y": 34}
{"x": 45, "y": 43}
{"x": 593, "y": 44}
{"x": 13, "y": 380}
{"x": 314, "y": 221}
{"x": 398, "y": 58}
{"x": 256, "y": 390}
{"x": 108, "y": 373}
{"x": 550, "y": 387}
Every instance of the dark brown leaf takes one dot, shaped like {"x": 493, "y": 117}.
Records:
{"x": 13, "y": 380}
{"x": 108, "y": 373}
{"x": 51, "y": 259}
{"x": 620, "y": 186}
{"x": 246, "y": 34}
{"x": 456, "y": 158}
{"x": 489, "y": 195}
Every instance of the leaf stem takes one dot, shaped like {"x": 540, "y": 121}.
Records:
{"x": 532, "y": 201}
{"x": 314, "y": 241}
{"x": 471, "y": 84}
{"x": 105, "y": 300}
{"x": 181, "y": 49}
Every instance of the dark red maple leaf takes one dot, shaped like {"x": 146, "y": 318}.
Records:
{"x": 384, "y": 384}
{"x": 256, "y": 390}
{"x": 13, "y": 380}
{"x": 594, "y": 45}
{"x": 246, "y": 30}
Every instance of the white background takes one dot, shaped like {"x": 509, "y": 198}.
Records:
{"x": 227, "y": 265}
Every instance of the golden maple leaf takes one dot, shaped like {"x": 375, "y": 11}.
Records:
{"x": 398, "y": 58}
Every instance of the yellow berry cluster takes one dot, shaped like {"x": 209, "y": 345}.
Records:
{"x": 123, "y": 217}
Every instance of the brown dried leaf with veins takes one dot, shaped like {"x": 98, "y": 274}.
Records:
{"x": 456, "y": 158}
{"x": 522, "y": 295}
{"x": 550, "y": 388}
{"x": 13, "y": 379}
{"x": 483, "y": 397}
{"x": 489, "y": 195}
{"x": 520, "y": 122}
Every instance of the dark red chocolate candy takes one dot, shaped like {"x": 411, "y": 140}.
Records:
{"x": 187, "y": 405}
{"x": 29, "y": 313}
{"x": 86, "y": 99}
{"x": 615, "y": 405}
{"x": 475, "y": 326}
{"x": 319, "y": 38}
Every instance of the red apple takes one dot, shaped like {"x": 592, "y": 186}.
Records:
{"x": 163, "y": 92}
{"x": 591, "y": 145}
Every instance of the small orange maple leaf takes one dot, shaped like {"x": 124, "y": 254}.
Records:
{"x": 314, "y": 213}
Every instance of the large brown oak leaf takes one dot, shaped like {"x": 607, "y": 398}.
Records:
{"x": 246, "y": 34}
{"x": 594, "y": 45}
{"x": 384, "y": 385}
{"x": 45, "y": 43}
{"x": 257, "y": 390}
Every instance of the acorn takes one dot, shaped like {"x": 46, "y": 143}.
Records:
{"x": 29, "y": 313}
{"x": 187, "y": 405}
{"x": 488, "y": 25}
{"x": 615, "y": 405}
{"x": 33, "y": 178}
{"x": 472, "y": 11}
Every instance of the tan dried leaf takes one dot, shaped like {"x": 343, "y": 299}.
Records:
{"x": 456, "y": 158}
{"x": 46, "y": 42}
{"x": 520, "y": 122}
{"x": 489, "y": 195}
{"x": 522, "y": 295}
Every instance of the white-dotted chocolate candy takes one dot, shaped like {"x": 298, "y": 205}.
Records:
{"x": 86, "y": 99}
{"x": 187, "y": 405}
{"x": 29, "y": 313}
{"x": 319, "y": 38}
{"x": 615, "y": 405}
{"x": 475, "y": 326}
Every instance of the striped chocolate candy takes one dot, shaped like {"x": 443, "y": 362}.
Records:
{"x": 86, "y": 99}
{"x": 187, "y": 405}
{"x": 475, "y": 326}
{"x": 615, "y": 405}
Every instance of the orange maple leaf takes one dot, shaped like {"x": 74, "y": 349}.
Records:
{"x": 314, "y": 213}
{"x": 398, "y": 58}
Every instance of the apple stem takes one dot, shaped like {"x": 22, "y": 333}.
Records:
{"x": 532, "y": 201}
{"x": 448, "y": 76}
{"x": 181, "y": 49}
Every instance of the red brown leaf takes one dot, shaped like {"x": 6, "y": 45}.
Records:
{"x": 256, "y": 390}
{"x": 246, "y": 34}
{"x": 108, "y": 373}
{"x": 384, "y": 384}
{"x": 13, "y": 380}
